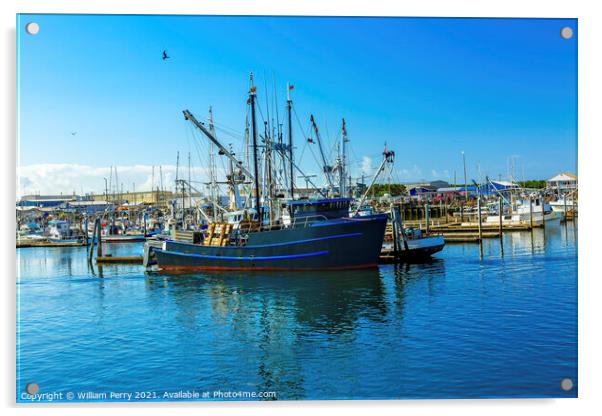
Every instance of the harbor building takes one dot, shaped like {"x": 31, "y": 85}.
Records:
{"x": 148, "y": 197}
{"x": 563, "y": 182}
{"x": 46, "y": 201}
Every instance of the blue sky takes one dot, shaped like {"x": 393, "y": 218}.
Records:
{"x": 430, "y": 88}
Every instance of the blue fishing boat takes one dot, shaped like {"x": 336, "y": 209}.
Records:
{"x": 308, "y": 243}
{"x": 308, "y": 234}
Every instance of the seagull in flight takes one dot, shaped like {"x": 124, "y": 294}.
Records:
{"x": 165, "y": 55}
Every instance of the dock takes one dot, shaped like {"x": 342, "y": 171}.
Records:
{"x": 109, "y": 259}
{"x": 46, "y": 243}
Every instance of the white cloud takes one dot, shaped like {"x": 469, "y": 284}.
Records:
{"x": 54, "y": 179}
{"x": 366, "y": 164}
{"x": 413, "y": 174}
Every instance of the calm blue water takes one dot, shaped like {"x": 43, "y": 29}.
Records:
{"x": 456, "y": 327}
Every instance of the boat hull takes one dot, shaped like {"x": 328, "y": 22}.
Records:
{"x": 422, "y": 248}
{"x": 65, "y": 240}
{"x": 346, "y": 243}
{"x": 123, "y": 238}
{"x": 523, "y": 219}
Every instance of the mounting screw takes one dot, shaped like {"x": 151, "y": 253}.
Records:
{"x": 32, "y": 28}
{"x": 32, "y": 388}
{"x": 566, "y": 32}
{"x": 566, "y": 384}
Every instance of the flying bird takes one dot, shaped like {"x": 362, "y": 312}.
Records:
{"x": 165, "y": 55}
{"x": 73, "y": 133}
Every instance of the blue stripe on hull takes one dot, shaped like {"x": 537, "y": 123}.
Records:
{"x": 286, "y": 243}
{"x": 247, "y": 258}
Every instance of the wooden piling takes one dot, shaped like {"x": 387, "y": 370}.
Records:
{"x": 501, "y": 208}
{"x": 98, "y": 240}
{"x": 480, "y": 226}
{"x": 479, "y": 215}
{"x": 91, "y": 253}
{"x": 427, "y": 217}
{"x": 445, "y": 212}
{"x": 85, "y": 230}
{"x": 531, "y": 213}
{"x": 543, "y": 213}
{"x": 394, "y": 223}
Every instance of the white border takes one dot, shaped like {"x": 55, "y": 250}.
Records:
{"x": 590, "y": 293}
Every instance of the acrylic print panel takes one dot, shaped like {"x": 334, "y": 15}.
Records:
{"x": 295, "y": 208}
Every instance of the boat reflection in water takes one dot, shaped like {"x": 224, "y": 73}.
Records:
{"x": 268, "y": 321}
{"x": 270, "y": 328}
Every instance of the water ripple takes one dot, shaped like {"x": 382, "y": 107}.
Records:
{"x": 457, "y": 326}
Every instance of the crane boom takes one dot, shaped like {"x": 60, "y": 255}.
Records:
{"x": 327, "y": 167}
{"x": 388, "y": 157}
{"x": 188, "y": 116}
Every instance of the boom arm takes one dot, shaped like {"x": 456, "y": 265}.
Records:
{"x": 188, "y": 116}
{"x": 327, "y": 167}
{"x": 388, "y": 157}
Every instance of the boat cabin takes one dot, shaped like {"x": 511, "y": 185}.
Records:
{"x": 319, "y": 208}
{"x": 58, "y": 229}
{"x": 236, "y": 217}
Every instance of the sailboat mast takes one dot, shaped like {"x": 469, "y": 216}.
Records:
{"x": 344, "y": 161}
{"x": 289, "y": 105}
{"x": 252, "y": 91}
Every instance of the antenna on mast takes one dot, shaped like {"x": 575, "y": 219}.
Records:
{"x": 252, "y": 93}
{"x": 289, "y": 105}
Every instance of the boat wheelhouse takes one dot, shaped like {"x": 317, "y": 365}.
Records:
{"x": 326, "y": 208}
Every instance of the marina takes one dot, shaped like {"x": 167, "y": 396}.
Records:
{"x": 266, "y": 222}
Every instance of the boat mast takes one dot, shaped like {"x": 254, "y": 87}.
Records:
{"x": 289, "y": 105}
{"x": 246, "y": 144}
{"x": 268, "y": 177}
{"x": 177, "y": 183}
{"x": 343, "y": 171}
{"x": 233, "y": 179}
{"x": 212, "y": 180}
{"x": 327, "y": 167}
{"x": 252, "y": 91}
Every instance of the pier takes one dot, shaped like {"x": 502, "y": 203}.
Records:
{"x": 109, "y": 259}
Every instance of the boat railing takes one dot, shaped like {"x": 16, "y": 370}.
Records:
{"x": 240, "y": 235}
{"x": 307, "y": 220}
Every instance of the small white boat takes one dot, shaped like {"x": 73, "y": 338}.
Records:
{"x": 60, "y": 231}
{"x": 415, "y": 245}
{"x": 521, "y": 213}
{"x": 563, "y": 205}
